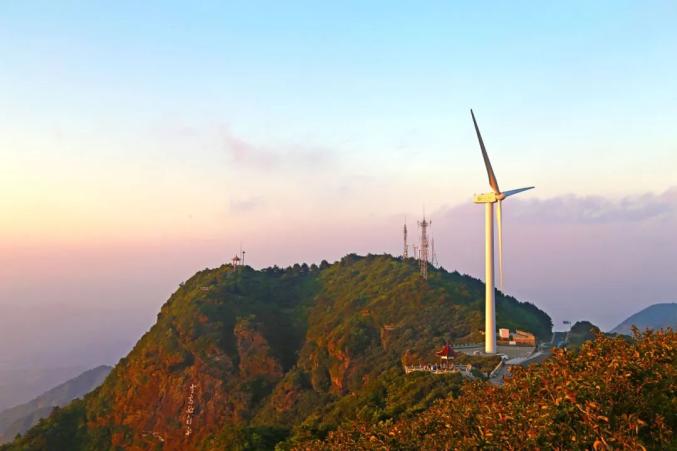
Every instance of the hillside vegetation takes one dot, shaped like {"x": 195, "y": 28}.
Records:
{"x": 280, "y": 356}
{"x": 612, "y": 393}
{"x": 581, "y": 332}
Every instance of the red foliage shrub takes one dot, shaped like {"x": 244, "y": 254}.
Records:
{"x": 610, "y": 394}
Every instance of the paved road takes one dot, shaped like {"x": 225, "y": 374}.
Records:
{"x": 497, "y": 379}
{"x": 536, "y": 358}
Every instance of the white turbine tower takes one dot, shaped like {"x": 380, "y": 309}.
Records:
{"x": 489, "y": 199}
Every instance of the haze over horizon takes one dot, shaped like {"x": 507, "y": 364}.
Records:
{"x": 141, "y": 143}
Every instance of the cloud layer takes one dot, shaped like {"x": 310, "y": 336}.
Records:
{"x": 246, "y": 154}
{"x": 571, "y": 209}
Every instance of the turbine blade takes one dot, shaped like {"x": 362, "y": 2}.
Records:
{"x": 499, "y": 221}
{"x": 487, "y": 163}
{"x": 515, "y": 191}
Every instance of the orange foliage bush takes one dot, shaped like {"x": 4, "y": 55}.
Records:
{"x": 610, "y": 394}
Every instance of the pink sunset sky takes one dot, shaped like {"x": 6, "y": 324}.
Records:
{"x": 142, "y": 143}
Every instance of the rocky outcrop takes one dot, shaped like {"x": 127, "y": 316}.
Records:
{"x": 254, "y": 352}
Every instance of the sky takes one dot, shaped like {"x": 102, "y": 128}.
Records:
{"x": 143, "y": 141}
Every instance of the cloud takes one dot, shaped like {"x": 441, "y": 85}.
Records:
{"x": 247, "y": 205}
{"x": 246, "y": 154}
{"x": 572, "y": 209}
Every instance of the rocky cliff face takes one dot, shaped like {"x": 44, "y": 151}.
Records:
{"x": 254, "y": 352}
{"x": 248, "y": 358}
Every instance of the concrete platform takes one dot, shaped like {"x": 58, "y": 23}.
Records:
{"x": 513, "y": 352}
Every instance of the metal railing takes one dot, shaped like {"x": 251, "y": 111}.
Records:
{"x": 438, "y": 369}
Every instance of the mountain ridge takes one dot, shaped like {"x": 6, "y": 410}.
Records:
{"x": 20, "y": 385}
{"x": 20, "y": 418}
{"x": 246, "y": 358}
{"x": 655, "y": 316}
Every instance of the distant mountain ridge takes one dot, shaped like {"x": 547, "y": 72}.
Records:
{"x": 20, "y": 385}
{"x": 18, "y": 419}
{"x": 656, "y": 316}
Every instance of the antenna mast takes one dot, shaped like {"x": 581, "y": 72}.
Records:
{"x": 405, "y": 254}
{"x": 423, "y": 252}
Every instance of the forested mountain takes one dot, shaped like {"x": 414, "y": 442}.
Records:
{"x": 19, "y": 419}
{"x": 657, "y": 316}
{"x": 244, "y": 359}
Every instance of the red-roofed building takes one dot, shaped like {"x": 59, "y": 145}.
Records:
{"x": 446, "y": 353}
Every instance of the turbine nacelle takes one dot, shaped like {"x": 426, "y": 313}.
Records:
{"x": 490, "y": 198}
{"x": 487, "y": 198}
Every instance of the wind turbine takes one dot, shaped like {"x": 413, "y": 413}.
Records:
{"x": 489, "y": 199}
